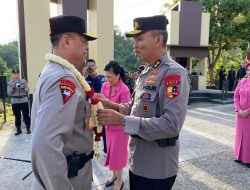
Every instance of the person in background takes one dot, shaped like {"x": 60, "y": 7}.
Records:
{"x": 231, "y": 78}
{"x": 242, "y": 109}
{"x": 190, "y": 83}
{"x": 155, "y": 116}
{"x": 241, "y": 72}
{"x": 93, "y": 78}
{"x": 18, "y": 91}
{"x": 222, "y": 77}
{"x": 117, "y": 142}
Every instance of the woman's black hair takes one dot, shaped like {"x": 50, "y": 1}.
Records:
{"x": 115, "y": 68}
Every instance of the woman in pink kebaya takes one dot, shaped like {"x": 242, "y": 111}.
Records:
{"x": 242, "y": 108}
{"x": 117, "y": 142}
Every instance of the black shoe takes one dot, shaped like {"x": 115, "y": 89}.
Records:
{"x": 28, "y": 131}
{"x": 110, "y": 183}
{"x": 18, "y": 133}
{"x": 237, "y": 160}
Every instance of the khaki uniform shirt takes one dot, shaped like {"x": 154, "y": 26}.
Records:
{"x": 18, "y": 90}
{"x": 158, "y": 111}
{"x": 59, "y": 123}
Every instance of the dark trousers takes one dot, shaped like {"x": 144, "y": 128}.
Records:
{"x": 230, "y": 85}
{"x": 224, "y": 90}
{"x": 17, "y": 109}
{"x": 137, "y": 183}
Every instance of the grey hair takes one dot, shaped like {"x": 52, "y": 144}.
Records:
{"x": 164, "y": 34}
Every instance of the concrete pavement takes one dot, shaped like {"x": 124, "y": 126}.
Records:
{"x": 206, "y": 157}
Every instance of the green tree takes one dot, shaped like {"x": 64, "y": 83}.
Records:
{"x": 124, "y": 53}
{"x": 4, "y": 71}
{"x": 229, "y": 28}
{"x": 9, "y": 53}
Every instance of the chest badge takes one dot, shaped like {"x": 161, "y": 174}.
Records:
{"x": 67, "y": 89}
{"x": 145, "y": 96}
{"x": 153, "y": 77}
{"x": 145, "y": 108}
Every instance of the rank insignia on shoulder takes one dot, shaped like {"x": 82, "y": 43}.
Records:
{"x": 171, "y": 83}
{"x": 156, "y": 64}
{"x": 145, "y": 108}
{"x": 145, "y": 96}
{"x": 68, "y": 89}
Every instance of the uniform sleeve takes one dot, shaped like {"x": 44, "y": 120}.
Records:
{"x": 10, "y": 90}
{"x": 26, "y": 87}
{"x": 173, "y": 98}
{"x": 237, "y": 96}
{"x": 53, "y": 126}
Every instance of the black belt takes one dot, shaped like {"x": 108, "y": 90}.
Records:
{"x": 24, "y": 96}
{"x": 76, "y": 162}
{"x": 163, "y": 142}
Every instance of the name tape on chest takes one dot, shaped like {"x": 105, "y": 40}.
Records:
{"x": 67, "y": 89}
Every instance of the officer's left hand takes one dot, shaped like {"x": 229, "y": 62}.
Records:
{"x": 109, "y": 117}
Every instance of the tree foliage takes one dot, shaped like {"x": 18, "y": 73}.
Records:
{"x": 124, "y": 53}
{"x": 4, "y": 70}
{"x": 229, "y": 28}
{"x": 9, "y": 53}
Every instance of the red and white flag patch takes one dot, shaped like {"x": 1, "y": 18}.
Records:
{"x": 68, "y": 89}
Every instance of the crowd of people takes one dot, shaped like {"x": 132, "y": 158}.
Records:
{"x": 229, "y": 80}
{"x": 143, "y": 110}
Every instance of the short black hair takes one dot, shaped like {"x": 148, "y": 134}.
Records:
{"x": 90, "y": 60}
{"x": 116, "y": 68}
{"x": 55, "y": 39}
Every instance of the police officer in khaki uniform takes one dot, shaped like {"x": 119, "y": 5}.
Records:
{"x": 62, "y": 143}
{"x": 18, "y": 90}
{"x": 156, "y": 114}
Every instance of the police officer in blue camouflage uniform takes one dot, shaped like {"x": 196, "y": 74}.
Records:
{"x": 18, "y": 91}
{"x": 155, "y": 116}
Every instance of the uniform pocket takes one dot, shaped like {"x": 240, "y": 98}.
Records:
{"x": 147, "y": 104}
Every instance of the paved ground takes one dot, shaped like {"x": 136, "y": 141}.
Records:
{"x": 206, "y": 157}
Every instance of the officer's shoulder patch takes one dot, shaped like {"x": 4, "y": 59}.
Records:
{"x": 67, "y": 88}
{"x": 171, "y": 83}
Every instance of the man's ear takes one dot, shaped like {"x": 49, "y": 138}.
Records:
{"x": 159, "y": 41}
{"x": 66, "y": 41}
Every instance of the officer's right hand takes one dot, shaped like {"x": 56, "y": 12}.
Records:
{"x": 109, "y": 117}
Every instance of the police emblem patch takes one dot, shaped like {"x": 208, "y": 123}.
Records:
{"x": 68, "y": 89}
{"x": 171, "y": 83}
{"x": 145, "y": 108}
{"x": 145, "y": 96}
